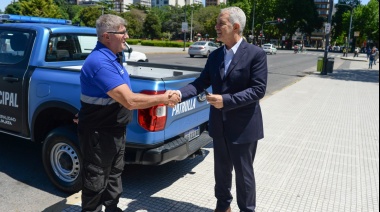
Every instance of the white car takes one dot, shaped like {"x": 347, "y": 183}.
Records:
{"x": 133, "y": 56}
{"x": 203, "y": 48}
{"x": 269, "y": 48}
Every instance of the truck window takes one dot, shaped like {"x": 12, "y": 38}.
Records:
{"x": 13, "y": 45}
{"x": 69, "y": 47}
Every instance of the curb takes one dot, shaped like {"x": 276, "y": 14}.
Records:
{"x": 354, "y": 59}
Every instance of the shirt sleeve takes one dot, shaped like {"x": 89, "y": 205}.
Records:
{"x": 108, "y": 78}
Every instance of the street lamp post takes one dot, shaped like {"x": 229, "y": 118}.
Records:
{"x": 262, "y": 33}
{"x": 349, "y": 29}
{"x": 184, "y": 31}
{"x": 191, "y": 25}
{"x": 253, "y": 21}
{"x": 329, "y": 20}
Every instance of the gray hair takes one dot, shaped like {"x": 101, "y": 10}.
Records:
{"x": 237, "y": 16}
{"x": 107, "y": 23}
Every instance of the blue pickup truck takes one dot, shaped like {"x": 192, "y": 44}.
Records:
{"x": 40, "y": 62}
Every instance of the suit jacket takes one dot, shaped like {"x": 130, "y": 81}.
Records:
{"x": 240, "y": 120}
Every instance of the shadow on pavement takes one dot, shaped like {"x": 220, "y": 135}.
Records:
{"x": 21, "y": 160}
{"x": 141, "y": 183}
{"x": 371, "y": 76}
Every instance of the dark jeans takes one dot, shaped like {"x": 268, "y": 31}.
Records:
{"x": 103, "y": 164}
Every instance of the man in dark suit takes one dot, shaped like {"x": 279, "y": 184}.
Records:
{"x": 238, "y": 74}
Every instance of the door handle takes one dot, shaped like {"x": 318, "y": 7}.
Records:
{"x": 11, "y": 79}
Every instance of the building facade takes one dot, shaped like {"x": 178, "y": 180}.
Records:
{"x": 317, "y": 38}
{"x": 214, "y": 2}
{"x": 160, "y": 3}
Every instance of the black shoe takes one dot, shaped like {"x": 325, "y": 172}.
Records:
{"x": 113, "y": 210}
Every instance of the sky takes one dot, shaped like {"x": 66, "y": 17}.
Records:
{"x": 4, "y": 3}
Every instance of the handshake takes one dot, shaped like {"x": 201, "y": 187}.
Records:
{"x": 172, "y": 98}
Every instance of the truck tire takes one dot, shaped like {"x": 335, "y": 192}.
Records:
{"x": 62, "y": 159}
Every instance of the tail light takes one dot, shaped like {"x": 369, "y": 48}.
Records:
{"x": 152, "y": 119}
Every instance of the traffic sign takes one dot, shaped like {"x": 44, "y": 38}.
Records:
{"x": 327, "y": 28}
{"x": 185, "y": 27}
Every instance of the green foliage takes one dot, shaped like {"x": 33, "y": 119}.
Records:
{"x": 206, "y": 20}
{"x": 144, "y": 22}
{"x": 138, "y": 7}
{"x": 152, "y": 26}
{"x": 13, "y": 8}
{"x": 135, "y": 20}
{"x": 133, "y": 41}
{"x": 41, "y": 8}
{"x": 300, "y": 15}
{"x": 87, "y": 16}
{"x": 365, "y": 20}
{"x": 164, "y": 43}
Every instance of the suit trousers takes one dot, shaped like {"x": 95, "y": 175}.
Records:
{"x": 240, "y": 157}
{"x": 103, "y": 164}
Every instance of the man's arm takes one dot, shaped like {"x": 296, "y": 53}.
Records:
{"x": 130, "y": 100}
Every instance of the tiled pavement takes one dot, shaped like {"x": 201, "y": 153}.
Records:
{"x": 320, "y": 153}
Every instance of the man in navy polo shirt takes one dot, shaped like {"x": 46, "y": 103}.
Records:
{"x": 106, "y": 104}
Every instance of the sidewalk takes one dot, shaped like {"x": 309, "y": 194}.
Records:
{"x": 320, "y": 153}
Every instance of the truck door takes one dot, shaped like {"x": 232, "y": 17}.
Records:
{"x": 15, "y": 48}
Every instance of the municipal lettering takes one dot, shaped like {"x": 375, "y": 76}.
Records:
{"x": 184, "y": 107}
{"x": 9, "y": 99}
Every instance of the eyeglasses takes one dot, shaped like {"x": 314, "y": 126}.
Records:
{"x": 119, "y": 33}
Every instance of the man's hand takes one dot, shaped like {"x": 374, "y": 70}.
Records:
{"x": 215, "y": 100}
{"x": 173, "y": 98}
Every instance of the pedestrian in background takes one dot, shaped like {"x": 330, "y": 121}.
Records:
{"x": 106, "y": 108}
{"x": 238, "y": 75}
{"x": 372, "y": 58}
{"x": 376, "y": 55}
{"x": 344, "y": 52}
{"x": 356, "y": 53}
{"x": 368, "y": 52}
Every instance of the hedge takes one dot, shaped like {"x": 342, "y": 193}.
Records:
{"x": 164, "y": 43}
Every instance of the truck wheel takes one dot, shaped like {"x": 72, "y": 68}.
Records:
{"x": 192, "y": 56}
{"x": 61, "y": 157}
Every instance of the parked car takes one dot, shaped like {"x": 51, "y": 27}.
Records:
{"x": 269, "y": 48}
{"x": 133, "y": 56}
{"x": 202, "y": 48}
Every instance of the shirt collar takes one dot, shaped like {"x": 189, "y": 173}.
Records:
{"x": 106, "y": 51}
{"x": 235, "y": 47}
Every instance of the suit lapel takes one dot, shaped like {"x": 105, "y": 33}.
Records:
{"x": 237, "y": 57}
{"x": 221, "y": 62}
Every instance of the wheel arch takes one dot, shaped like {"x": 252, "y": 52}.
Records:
{"x": 49, "y": 116}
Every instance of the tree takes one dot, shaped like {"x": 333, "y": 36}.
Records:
{"x": 87, "y": 16}
{"x": 367, "y": 21}
{"x": 152, "y": 26}
{"x": 206, "y": 20}
{"x": 300, "y": 15}
{"x": 13, "y": 8}
{"x": 138, "y": 6}
{"x": 135, "y": 19}
{"x": 41, "y": 8}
